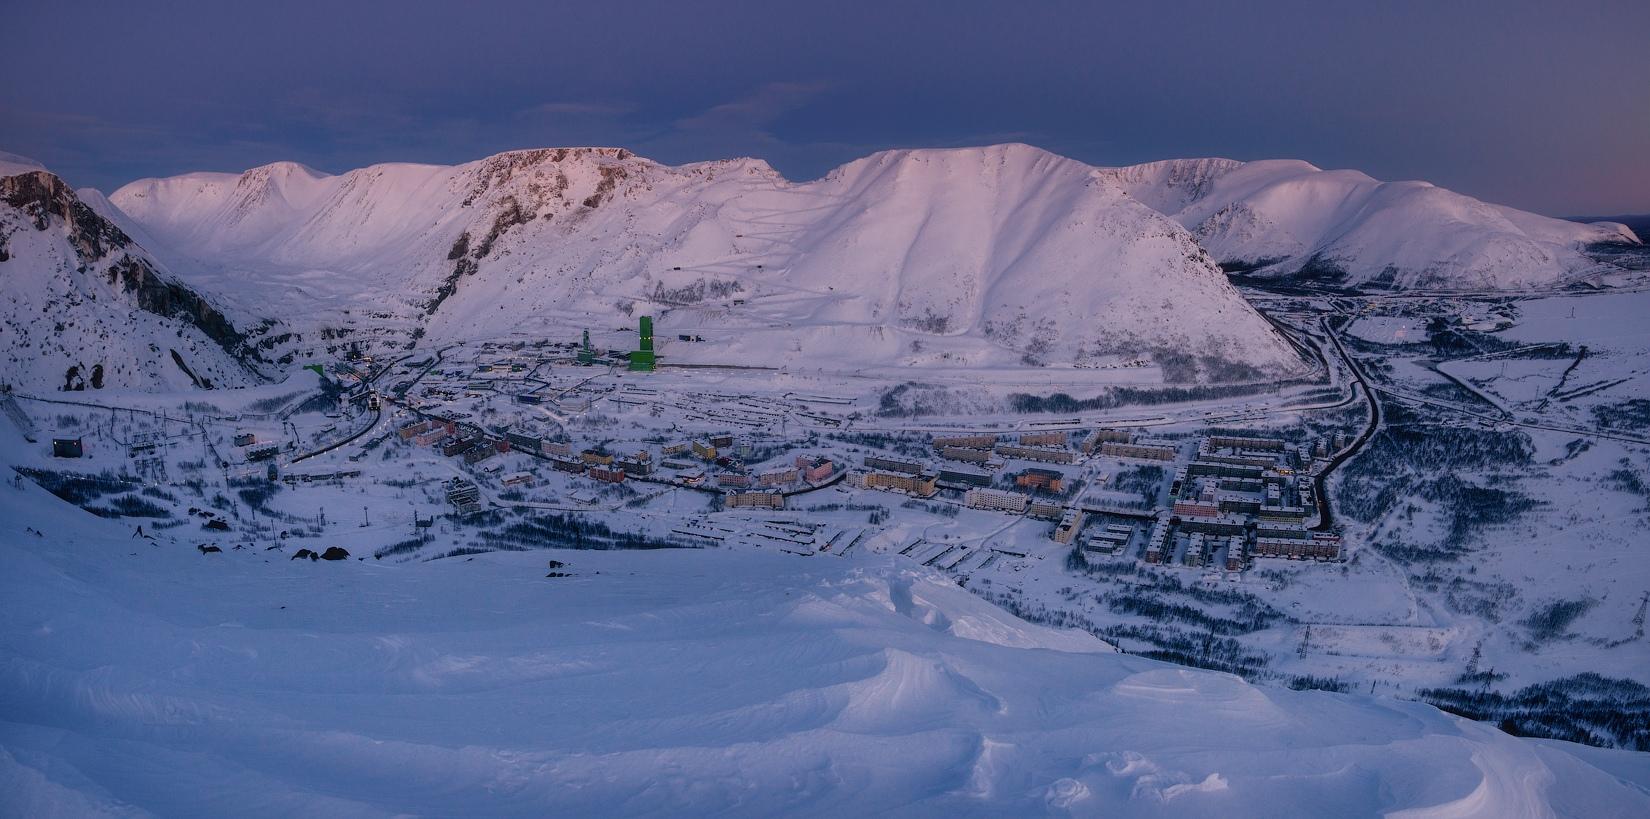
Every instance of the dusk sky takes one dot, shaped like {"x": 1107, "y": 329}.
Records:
{"x": 1540, "y": 105}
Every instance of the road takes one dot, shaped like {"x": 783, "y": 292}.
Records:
{"x": 1326, "y": 515}
{"x": 377, "y": 416}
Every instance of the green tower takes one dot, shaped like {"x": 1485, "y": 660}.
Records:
{"x": 642, "y": 360}
{"x": 587, "y": 354}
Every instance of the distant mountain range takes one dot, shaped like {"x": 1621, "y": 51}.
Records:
{"x": 996, "y": 257}
{"x": 986, "y": 257}
{"x": 1638, "y": 223}
{"x": 1286, "y": 218}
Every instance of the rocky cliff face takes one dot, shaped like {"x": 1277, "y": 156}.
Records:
{"x": 85, "y": 307}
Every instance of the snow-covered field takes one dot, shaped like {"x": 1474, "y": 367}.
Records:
{"x": 146, "y": 678}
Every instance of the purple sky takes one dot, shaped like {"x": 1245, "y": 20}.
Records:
{"x": 1542, "y": 105}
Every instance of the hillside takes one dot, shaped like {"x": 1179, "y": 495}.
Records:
{"x": 84, "y": 307}
{"x": 143, "y": 678}
{"x": 987, "y": 257}
{"x": 1344, "y": 228}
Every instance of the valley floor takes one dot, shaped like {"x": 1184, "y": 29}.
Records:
{"x": 854, "y": 651}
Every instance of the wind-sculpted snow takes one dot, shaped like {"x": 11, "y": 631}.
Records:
{"x": 1288, "y": 217}
{"x": 147, "y": 679}
{"x": 972, "y": 257}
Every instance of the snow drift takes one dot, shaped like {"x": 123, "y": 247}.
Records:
{"x": 140, "y": 678}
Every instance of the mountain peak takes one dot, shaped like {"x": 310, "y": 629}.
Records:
{"x": 12, "y": 164}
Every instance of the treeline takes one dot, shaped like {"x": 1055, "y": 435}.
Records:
{"x": 558, "y": 531}
{"x": 1247, "y": 620}
{"x": 1210, "y": 651}
{"x": 1632, "y": 414}
{"x": 1115, "y": 397}
{"x": 1407, "y": 461}
{"x": 1588, "y": 708}
{"x": 1141, "y": 479}
{"x": 403, "y": 547}
{"x": 126, "y": 496}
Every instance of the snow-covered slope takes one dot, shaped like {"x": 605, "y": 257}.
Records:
{"x": 142, "y": 678}
{"x": 1288, "y": 217}
{"x": 83, "y": 306}
{"x": 979, "y": 257}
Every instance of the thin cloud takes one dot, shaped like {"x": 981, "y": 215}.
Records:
{"x": 754, "y": 111}
{"x": 601, "y": 109}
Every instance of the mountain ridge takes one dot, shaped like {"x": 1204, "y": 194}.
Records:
{"x": 1283, "y": 218}
{"x": 994, "y": 257}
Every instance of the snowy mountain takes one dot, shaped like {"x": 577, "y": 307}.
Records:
{"x": 976, "y": 257}
{"x": 1286, "y": 217}
{"x": 85, "y": 307}
{"x": 143, "y": 678}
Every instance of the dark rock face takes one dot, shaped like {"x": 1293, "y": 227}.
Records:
{"x": 303, "y": 553}
{"x": 207, "y": 550}
{"x": 334, "y": 553}
{"x": 41, "y": 196}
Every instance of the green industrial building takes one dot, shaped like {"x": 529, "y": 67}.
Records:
{"x": 642, "y": 360}
{"x": 587, "y": 354}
